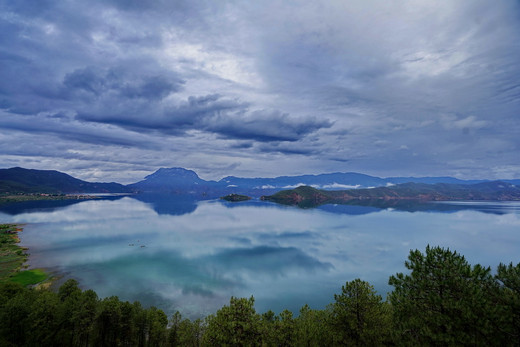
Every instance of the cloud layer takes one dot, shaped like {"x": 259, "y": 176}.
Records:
{"x": 113, "y": 90}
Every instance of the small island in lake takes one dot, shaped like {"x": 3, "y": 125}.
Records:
{"x": 236, "y": 197}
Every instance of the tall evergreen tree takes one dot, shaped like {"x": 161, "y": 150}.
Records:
{"x": 157, "y": 327}
{"x": 84, "y": 318}
{"x": 508, "y": 277}
{"x": 443, "y": 301}
{"x": 108, "y": 322}
{"x": 359, "y": 316}
{"x": 235, "y": 325}
{"x": 184, "y": 332}
{"x": 312, "y": 327}
{"x": 44, "y": 319}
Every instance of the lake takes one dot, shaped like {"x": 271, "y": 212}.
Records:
{"x": 182, "y": 254}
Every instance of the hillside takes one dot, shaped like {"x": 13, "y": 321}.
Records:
{"x": 305, "y": 196}
{"x": 18, "y": 180}
{"x": 181, "y": 181}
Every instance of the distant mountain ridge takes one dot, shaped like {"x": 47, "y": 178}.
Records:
{"x": 20, "y": 180}
{"x": 178, "y": 180}
{"x": 339, "y": 180}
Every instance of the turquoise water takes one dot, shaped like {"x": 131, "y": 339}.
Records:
{"x": 187, "y": 255}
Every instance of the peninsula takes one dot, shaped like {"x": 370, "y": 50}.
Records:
{"x": 305, "y": 196}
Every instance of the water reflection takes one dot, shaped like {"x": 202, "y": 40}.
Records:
{"x": 15, "y": 208}
{"x": 193, "y": 255}
{"x": 182, "y": 204}
{"x": 370, "y": 206}
{"x": 169, "y": 204}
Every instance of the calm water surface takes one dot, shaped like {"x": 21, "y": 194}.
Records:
{"x": 180, "y": 254}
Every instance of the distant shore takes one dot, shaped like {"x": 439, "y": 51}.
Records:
{"x": 8, "y": 198}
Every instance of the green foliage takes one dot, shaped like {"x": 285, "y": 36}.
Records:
{"x": 83, "y": 317}
{"x": 443, "y": 301}
{"x": 12, "y": 256}
{"x": 44, "y": 319}
{"x": 184, "y": 332}
{"x": 235, "y": 325}
{"x": 29, "y": 277}
{"x": 508, "y": 298}
{"x": 72, "y": 317}
{"x": 157, "y": 322}
{"x": 312, "y": 327}
{"x": 277, "y": 330}
{"x": 359, "y": 316}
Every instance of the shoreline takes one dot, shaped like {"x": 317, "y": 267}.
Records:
{"x": 13, "y": 259}
{"x": 40, "y": 196}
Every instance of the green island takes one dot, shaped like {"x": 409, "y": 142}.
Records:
{"x": 13, "y": 257}
{"x": 441, "y": 300}
{"x": 236, "y": 197}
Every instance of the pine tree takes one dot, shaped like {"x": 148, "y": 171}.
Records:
{"x": 359, "y": 316}
{"x": 443, "y": 301}
{"x": 235, "y": 325}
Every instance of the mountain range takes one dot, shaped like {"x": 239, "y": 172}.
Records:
{"x": 186, "y": 182}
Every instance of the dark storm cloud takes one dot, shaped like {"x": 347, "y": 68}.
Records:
{"x": 187, "y": 115}
{"x": 389, "y": 88}
{"x": 194, "y": 112}
{"x": 122, "y": 83}
{"x": 211, "y": 113}
{"x": 61, "y": 125}
{"x": 289, "y": 148}
{"x": 265, "y": 126}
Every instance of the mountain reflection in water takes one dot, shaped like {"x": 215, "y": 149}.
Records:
{"x": 178, "y": 253}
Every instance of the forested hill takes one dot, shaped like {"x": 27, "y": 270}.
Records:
{"x": 20, "y": 180}
{"x": 306, "y": 196}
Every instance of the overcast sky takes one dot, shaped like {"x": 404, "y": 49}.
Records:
{"x": 113, "y": 90}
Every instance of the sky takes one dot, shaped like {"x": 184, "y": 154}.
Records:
{"x": 113, "y": 90}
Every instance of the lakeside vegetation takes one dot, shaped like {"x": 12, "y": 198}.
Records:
{"x": 12, "y": 258}
{"x": 442, "y": 300}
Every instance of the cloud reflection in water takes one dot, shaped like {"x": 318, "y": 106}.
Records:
{"x": 285, "y": 257}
